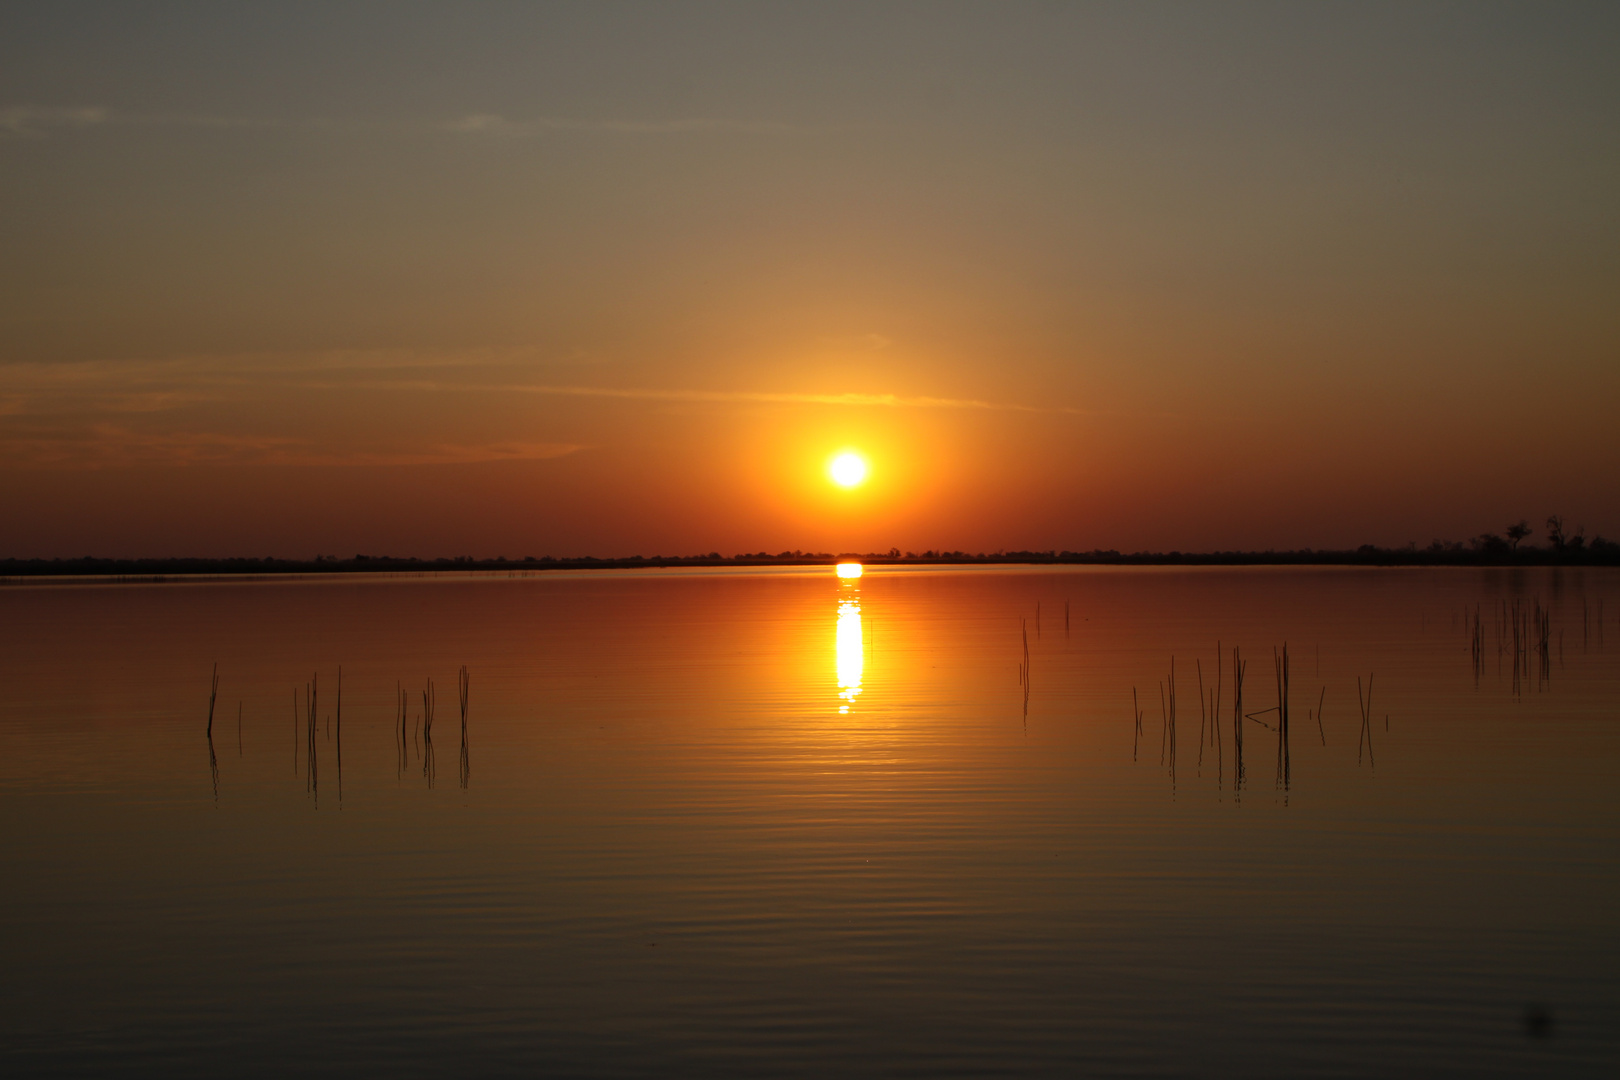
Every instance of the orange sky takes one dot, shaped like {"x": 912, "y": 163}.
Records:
{"x": 615, "y": 280}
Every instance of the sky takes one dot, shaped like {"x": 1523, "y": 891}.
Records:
{"x": 612, "y": 279}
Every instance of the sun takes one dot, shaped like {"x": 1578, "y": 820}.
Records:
{"x": 848, "y": 469}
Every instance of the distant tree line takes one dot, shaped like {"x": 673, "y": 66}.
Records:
{"x": 1507, "y": 548}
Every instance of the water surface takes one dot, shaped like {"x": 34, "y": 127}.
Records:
{"x": 778, "y": 823}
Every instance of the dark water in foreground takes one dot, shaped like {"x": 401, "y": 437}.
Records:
{"x": 771, "y": 823}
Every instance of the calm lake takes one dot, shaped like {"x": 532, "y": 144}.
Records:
{"x": 782, "y": 823}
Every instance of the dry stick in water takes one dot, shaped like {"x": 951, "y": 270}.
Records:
{"x": 1203, "y": 720}
{"x": 1024, "y": 673}
{"x": 311, "y": 727}
{"x": 1237, "y": 719}
{"x": 428, "y": 762}
{"x": 1369, "y": 718}
{"x": 1276, "y": 662}
{"x": 212, "y": 694}
{"x": 1023, "y": 628}
{"x": 402, "y": 739}
{"x": 1164, "y": 723}
{"x": 1321, "y": 698}
{"x": 1172, "y": 717}
{"x": 340, "y": 735}
{"x": 1365, "y": 701}
{"x": 1282, "y": 720}
{"x": 213, "y": 770}
{"x": 466, "y": 761}
{"x": 1136, "y": 711}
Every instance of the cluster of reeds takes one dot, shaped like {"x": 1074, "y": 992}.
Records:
{"x": 1210, "y": 704}
{"x": 1525, "y": 639}
{"x": 1588, "y": 621}
{"x": 1530, "y": 626}
{"x": 1543, "y": 631}
{"x": 307, "y": 725}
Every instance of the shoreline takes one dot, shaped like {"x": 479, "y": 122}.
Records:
{"x": 198, "y": 569}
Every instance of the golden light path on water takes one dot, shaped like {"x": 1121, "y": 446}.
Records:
{"x": 850, "y": 650}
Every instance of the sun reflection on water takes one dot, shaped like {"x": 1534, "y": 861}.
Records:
{"x": 851, "y": 649}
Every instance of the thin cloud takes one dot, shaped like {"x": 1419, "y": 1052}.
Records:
{"x": 107, "y": 446}
{"x": 151, "y": 386}
{"x": 493, "y": 124}
{"x": 449, "y": 454}
{"x": 742, "y": 397}
{"x": 102, "y": 446}
{"x": 35, "y": 121}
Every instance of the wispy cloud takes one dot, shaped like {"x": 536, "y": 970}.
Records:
{"x": 150, "y": 386}
{"x": 741, "y": 397}
{"x": 36, "y": 121}
{"x": 185, "y": 411}
{"x": 492, "y": 124}
{"x": 107, "y": 446}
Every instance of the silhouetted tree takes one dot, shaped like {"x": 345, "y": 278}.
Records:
{"x": 1517, "y": 532}
{"x": 1555, "y": 531}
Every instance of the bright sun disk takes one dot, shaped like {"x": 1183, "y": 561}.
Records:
{"x": 847, "y": 469}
